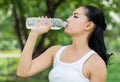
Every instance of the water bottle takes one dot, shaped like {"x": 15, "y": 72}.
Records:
{"x": 57, "y": 23}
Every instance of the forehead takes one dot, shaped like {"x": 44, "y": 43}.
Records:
{"x": 80, "y": 10}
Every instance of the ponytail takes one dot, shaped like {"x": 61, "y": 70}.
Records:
{"x": 96, "y": 42}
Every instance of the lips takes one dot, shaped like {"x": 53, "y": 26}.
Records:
{"x": 66, "y": 25}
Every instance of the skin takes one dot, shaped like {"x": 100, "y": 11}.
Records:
{"x": 79, "y": 28}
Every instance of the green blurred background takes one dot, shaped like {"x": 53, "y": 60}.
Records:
{"x": 13, "y": 33}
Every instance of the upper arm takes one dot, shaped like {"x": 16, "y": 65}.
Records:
{"x": 43, "y": 61}
{"x": 98, "y": 70}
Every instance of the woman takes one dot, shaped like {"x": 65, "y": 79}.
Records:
{"x": 84, "y": 60}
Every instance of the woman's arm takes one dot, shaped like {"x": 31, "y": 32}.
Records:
{"x": 27, "y": 66}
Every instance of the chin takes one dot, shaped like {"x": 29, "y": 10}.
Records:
{"x": 67, "y": 32}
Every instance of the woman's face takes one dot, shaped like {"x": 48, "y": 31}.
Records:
{"x": 77, "y": 22}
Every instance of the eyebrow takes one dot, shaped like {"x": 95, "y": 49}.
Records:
{"x": 75, "y": 13}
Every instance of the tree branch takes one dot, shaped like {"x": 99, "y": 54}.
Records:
{"x": 17, "y": 25}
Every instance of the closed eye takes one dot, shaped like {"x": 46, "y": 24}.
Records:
{"x": 76, "y": 17}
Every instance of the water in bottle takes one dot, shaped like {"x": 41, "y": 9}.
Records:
{"x": 57, "y": 23}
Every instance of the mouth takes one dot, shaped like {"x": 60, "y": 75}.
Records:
{"x": 66, "y": 25}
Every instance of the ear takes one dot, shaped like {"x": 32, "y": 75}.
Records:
{"x": 90, "y": 25}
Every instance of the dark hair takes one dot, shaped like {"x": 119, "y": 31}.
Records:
{"x": 96, "y": 40}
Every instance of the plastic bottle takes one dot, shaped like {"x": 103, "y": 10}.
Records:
{"x": 57, "y": 23}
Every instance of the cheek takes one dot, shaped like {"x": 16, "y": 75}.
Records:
{"x": 74, "y": 28}
{"x": 79, "y": 25}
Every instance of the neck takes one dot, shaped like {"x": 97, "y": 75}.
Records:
{"x": 80, "y": 43}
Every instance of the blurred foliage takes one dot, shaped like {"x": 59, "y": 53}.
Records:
{"x": 13, "y": 33}
{"x": 113, "y": 69}
{"x": 9, "y": 36}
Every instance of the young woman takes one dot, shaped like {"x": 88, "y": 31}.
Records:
{"x": 84, "y": 60}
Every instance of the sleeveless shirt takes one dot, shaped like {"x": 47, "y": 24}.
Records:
{"x": 68, "y": 72}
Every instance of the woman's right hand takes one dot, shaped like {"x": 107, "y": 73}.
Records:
{"x": 42, "y": 28}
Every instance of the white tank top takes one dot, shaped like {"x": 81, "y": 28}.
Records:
{"x": 68, "y": 72}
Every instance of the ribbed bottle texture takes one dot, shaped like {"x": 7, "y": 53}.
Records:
{"x": 57, "y": 23}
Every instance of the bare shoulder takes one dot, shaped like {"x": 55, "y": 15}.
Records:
{"x": 54, "y": 49}
{"x": 96, "y": 68}
{"x": 96, "y": 61}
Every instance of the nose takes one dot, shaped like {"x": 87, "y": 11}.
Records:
{"x": 68, "y": 19}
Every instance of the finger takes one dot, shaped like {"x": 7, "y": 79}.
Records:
{"x": 50, "y": 25}
{"x": 46, "y": 17}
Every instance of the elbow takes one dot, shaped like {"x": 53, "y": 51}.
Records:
{"x": 22, "y": 75}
